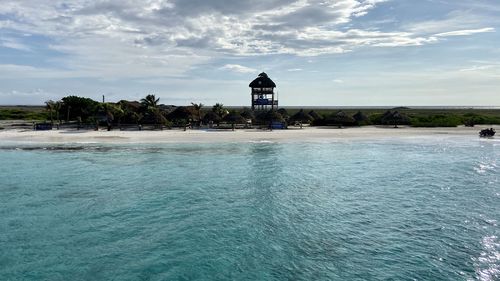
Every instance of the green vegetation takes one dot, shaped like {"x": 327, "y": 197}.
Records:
{"x": 149, "y": 112}
{"x": 23, "y": 113}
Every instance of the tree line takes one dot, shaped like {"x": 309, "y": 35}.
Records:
{"x": 149, "y": 112}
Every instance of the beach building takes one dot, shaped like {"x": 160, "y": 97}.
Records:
{"x": 263, "y": 95}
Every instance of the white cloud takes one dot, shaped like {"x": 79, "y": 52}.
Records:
{"x": 465, "y": 32}
{"x": 238, "y": 68}
{"x": 12, "y": 43}
{"x": 160, "y": 39}
{"x": 477, "y": 68}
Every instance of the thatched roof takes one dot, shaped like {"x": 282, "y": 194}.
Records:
{"x": 360, "y": 117}
{"x": 340, "y": 114}
{"x": 394, "y": 118}
{"x": 211, "y": 116}
{"x": 234, "y": 118}
{"x": 263, "y": 81}
{"x": 301, "y": 116}
{"x": 315, "y": 115}
{"x": 180, "y": 112}
{"x": 130, "y": 105}
{"x": 247, "y": 113}
{"x": 341, "y": 118}
{"x": 283, "y": 112}
{"x": 270, "y": 115}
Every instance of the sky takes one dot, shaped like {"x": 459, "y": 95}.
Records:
{"x": 318, "y": 52}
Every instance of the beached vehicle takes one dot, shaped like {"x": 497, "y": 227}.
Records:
{"x": 487, "y": 133}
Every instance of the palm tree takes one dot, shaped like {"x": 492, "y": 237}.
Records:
{"x": 219, "y": 109}
{"x": 150, "y": 101}
{"x": 197, "y": 108}
{"x": 150, "y": 104}
{"x": 57, "y": 108}
{"x": 137, "y": 117}
{"x": 49, "y": 105}
{"x": 160, "y": 120}
{"x": 113, "y": 112}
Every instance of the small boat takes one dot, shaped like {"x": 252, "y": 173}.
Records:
{"x": 487, "y": 133}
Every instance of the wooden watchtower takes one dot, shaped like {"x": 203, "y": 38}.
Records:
{"x": 263, "y": 93}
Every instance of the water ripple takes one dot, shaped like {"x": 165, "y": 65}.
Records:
{"x": 411, "y": 209}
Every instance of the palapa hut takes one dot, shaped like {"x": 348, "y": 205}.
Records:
{"x": 301, "y": 117}
{"x": 272, "y": 118}
{"x": 315, "y": 115}
{"x": 284, "y": 113}
{"x": 211, "y": 118}
{"x": 181, "y": 116}
{"x": 234, "y": 118}
{"x": 341, "y": 119}
{"x": 360, "y": 118}
{"x": 395, "y": 118}
{"x": 247, "y": 114}
{"x": 262, "y": 94}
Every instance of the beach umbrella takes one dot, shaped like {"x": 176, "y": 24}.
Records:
{"x": 181, "y": 116}
{"x": 395, "y": 118}
{"x": 360, "y": 118}
{"x": 180, "y": 113}
{"x": 211, "y": 117}
{"x": 301, "y": 117}
{"x": 247, "y": 114}
{"x": 269, "y": 117}
{"x": 341, "y": 119}
{"x": 283, "y": 112}
{"x": 315, "y": 115}
{"x": 234, "y": 118}
{"x": 272, "y": 116}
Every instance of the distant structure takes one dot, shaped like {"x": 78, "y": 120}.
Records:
{"x": 263, "y": 93}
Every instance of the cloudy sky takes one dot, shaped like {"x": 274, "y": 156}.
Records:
{"x": 319, "y": 52}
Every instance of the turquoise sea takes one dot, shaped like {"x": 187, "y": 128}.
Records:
{"x": 423, "y": 208}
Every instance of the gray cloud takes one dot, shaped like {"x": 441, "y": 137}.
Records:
{"x": 167, "y": 34}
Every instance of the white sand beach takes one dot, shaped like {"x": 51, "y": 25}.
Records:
{"x": 176, "y": 135}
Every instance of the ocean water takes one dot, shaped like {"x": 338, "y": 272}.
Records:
{"x": 385, "y": 209}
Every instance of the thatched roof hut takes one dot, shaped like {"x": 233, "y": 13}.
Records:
{"x": 341, "y": 119}
{"x": 395, "y": 118}
{"x": 301, "y": 116}
{"x": 315, "y": 115}
{"x": 283, "y": 112}
{"x": 234, "y": 118}
{"x": 181, "y": 113}
{"x": 360, "y": 118}
{"x": 211, "y": 117}
{"x": 270, "y": 116}
{"x": 247, "y": 114}
{"x": 262, "y": 81}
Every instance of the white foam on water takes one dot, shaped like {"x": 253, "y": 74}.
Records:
{"x": 485, "y": 166}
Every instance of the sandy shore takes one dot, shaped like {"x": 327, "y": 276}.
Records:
{"x": 168, "y": 136}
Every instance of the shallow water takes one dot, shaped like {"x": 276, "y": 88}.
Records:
{"x": 401, "y": 209}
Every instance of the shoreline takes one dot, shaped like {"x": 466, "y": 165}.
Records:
{"x": 241, "y": 135}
